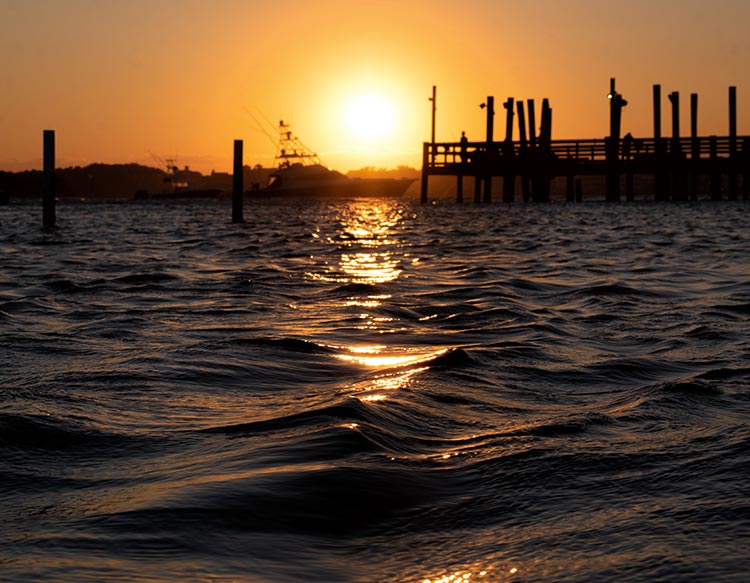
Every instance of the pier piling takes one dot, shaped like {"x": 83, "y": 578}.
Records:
{"x": 679, "y": 186}
{"x": 661, "y": 178}
{"x": 679, "y": 166}
{"x": 695, "y": 152}
{"x": 48, "y": 197}
{"x": 237, "y": 185}
{"x": 732, "y": 176}
{"x": 489, "y": 148}
{"x": 523, "y": 151}
{"x": 509, "y": 178}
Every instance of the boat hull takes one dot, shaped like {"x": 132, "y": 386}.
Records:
{"x": 386, "y": 187}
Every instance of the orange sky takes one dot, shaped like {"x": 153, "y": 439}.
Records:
{"x": 181, "y": 78}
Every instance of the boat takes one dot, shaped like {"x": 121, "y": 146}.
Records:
{"x": 298, "y": 172}
{"x": 177, "y": 185}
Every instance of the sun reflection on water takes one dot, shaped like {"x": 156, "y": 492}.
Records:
{"x": 483, "y": 574}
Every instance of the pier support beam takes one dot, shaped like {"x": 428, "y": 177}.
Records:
{"x": 616, "y": 103}
{"x": 661, "y": 178}
{"x": 715, "y": 171}
{"x": 732, "y": 178}
{"x": 425, "y": 173}
{"x": 542, "y": 157}
{"x": 509, "y": 178}
{"x": 48, "y": 198}
{"x": 238, "y": 191}
{"x": 490, "y": 153}
{"x": 679, "y": 182}
{"x": 695, "y": 152}
{"x": 523, "y": 152}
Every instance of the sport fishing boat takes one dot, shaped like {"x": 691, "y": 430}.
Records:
{"x": 299, "y": 173}
{"x": 177, "y": 186}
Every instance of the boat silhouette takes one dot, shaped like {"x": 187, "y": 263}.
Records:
{"x": 299, "y": 172}
{"x": 177, "y": 185}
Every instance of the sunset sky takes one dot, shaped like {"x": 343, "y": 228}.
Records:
{"x": 119, "y": 79}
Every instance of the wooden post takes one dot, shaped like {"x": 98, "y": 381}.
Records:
{"x": 460, "y": 188}
{"x": 434, "y": 111}
{"x": 490, "y": 149}
{"x": 509, "y": 178}
{"x": 715, "y": 175}
{"x": 48, "y": 199}
{"x": 542, "y": 172}
{"x": 523, "y": 153}
{"x": 579, "y": 190}
{"x": 425, "y": 173}
{"x": 477, "y": 188}
{"x": 660, "y": 177}
{"x": 616, "y": 103}
{"x": 237, "y": 184}
{"x": 732, "y": 143}
{"x": 745, "y": 162}
{"x": 679, "y": 186}
{"x": 695, "y": 152}
{"x": 532, "y": 123}
{"x": 570, "y": 194}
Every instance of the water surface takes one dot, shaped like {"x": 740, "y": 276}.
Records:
{"x": 375, "y": 391}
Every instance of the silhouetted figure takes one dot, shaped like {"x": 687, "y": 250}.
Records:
{"x": 464, "y": 143}
{"x": 627, "y": 146}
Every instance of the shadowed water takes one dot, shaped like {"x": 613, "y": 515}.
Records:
{"x": 375, "y": 391}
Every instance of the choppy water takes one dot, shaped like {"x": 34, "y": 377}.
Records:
{"x": 375, "y": 391}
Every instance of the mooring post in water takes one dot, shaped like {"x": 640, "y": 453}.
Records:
{"x": 732, "y": 178}
{"x": 48, "y": 199}
{"x": 490, "y": 153}
{"x": 425, "y": 173}
{"x": 695, "y": 152}
{"x": 509, "y": 178}
{"x": 237, "y": 184}
{"x": 523, "y": 154}
{"x": 661, "y": 180}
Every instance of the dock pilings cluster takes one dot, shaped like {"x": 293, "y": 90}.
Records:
{"x": 677, "y": 168}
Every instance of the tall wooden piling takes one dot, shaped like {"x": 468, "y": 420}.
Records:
{"x": 525, "y": 190}
{"x": 425, "y": 173}
{"x": 679, "y": 182}
{"x": 237, "y": 185}
{"x": 715, "y": 170}
{"x": 745, "y": 163}
{"x": 532, "y": 123}
{"x": 509, "y": 178}
{"x": 732, "y": 175}
{"x": 695, "y": 152}
{"x": 434, "y": 109}
{"x": 612, "y": 184}
{"x": 661, "y": 178}
{"x": 540, "y": 189}
{"x": 48, "y": 197}
{"x": 489, "y": 149}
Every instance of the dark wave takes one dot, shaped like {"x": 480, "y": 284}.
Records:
{"x": 37, "y": 432}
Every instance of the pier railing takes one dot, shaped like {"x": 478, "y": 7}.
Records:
{"x": 451, "y": 155}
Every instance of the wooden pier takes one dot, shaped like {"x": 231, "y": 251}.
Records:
{"x": 682, "y": 168}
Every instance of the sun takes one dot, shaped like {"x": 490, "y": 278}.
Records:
{"x": 369, "y": 117}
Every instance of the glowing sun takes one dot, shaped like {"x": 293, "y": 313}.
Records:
{"x": 369, "y": 117}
